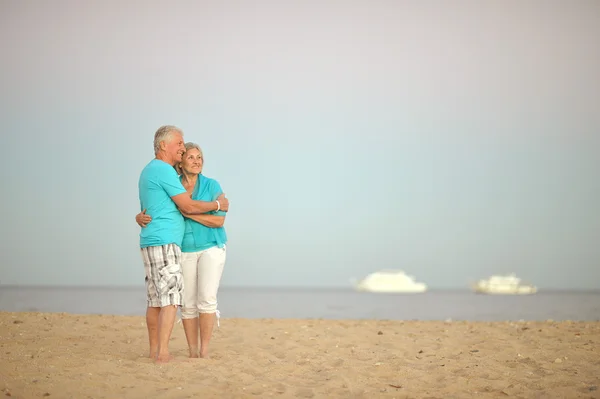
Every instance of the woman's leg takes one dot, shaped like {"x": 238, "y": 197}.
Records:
{"x": 210, "y": 269}
{"x": 189, "y": 310}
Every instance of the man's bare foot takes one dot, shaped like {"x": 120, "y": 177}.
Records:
{"x": 161, "y": 359}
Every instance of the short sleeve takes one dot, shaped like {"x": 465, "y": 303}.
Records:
{"x": 170, "y": 182}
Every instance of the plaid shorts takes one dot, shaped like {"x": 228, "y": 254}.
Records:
{"x": 164, "y": 280}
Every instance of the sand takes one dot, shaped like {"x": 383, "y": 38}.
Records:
{"x": 58, "y": 355}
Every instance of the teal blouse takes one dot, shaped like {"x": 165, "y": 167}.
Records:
{"x": 198, "y": 237}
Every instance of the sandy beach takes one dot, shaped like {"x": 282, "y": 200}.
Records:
{"x": 59, "y": 355}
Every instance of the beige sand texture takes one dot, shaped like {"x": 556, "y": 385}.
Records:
{"x": 58, "y": 355}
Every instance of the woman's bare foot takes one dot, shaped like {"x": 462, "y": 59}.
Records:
{"x": 204, "y": 354}
{"x": 193, "y": 353}
{"x": 162, "y": 359}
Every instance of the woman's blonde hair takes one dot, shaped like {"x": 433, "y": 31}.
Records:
{"x": 188, "y": 146}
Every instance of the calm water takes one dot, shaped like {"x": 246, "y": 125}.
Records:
{"x": 320, "y": 303}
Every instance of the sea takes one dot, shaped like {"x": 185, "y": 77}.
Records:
{"x": 305, "y": 303}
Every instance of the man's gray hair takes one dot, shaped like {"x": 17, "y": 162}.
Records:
{"x": 164, "y": 133}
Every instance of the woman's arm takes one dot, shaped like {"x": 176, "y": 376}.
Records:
{"x": 207, "y": 220}
{"x": 212, "y": 220}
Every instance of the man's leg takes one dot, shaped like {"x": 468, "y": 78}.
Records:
{"x": 152, "y": 323}
{"x": 153, "y": 309}
{"x": 210, "y": 269}
{"x": 170, "y": 289}
{"x": 166, "y": 320}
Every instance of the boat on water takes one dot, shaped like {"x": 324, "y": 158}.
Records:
{"x": 390, "y": 281}
{"x": 508, "y": 284}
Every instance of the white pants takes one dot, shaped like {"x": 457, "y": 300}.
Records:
{"x": 202, "y": 272}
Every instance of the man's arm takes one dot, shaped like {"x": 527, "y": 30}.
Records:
{"x": 208, "y": 220}
{"x": 190, "y": 207}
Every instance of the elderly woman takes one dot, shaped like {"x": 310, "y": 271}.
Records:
{"x": 203, "y": 253}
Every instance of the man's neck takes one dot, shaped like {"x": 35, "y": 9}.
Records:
{"x": 163, "y": 157}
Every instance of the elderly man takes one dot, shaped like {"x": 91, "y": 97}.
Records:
{"x": 162, "y": 195}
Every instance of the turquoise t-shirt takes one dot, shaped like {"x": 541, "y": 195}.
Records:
{"x": 158, "y": 183}
{"x": 198, "y": 237}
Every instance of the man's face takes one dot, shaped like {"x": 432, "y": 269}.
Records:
{"x": 176, "y": 147}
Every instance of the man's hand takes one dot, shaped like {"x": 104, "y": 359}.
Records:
{"x": 142, "y": 219}
{"x": 224, "y": 202}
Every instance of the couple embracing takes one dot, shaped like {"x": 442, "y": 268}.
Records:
{"x": 182, "y": 241}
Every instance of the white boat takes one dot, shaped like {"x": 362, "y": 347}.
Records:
{"x": 390, "y": 281}
{"x": 508, "y": 284}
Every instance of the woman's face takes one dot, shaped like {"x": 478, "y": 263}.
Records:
{"x": 192, "y": 161}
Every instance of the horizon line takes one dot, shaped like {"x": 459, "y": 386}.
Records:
{"x": 269, "y": 287}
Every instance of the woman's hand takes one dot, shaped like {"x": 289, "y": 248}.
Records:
{"x": 142, "y": 219}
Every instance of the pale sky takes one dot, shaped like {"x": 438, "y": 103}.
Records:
{"x": 450, "y": 139}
